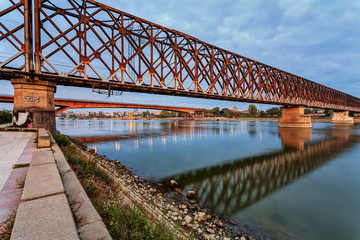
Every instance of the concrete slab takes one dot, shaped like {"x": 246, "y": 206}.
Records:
{"x": 43, "y": 132}
{"x": 41, "y": 181}
{"x": 12, "y": 144}
{"x": 45, "y": 218}
{"x": 27, "y": 153}
{"x": 84, "y": 211}
{"x": 8, "y": 204}
{"x": 41, "y": 157}
{"x": 61, "y": 162}
{"x": 16, "y": 180}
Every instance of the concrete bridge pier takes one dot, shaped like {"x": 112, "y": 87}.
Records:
{"x": 342, "y": 118}
{"x": 294, "y": 117}
{"x": 34, "y": 104}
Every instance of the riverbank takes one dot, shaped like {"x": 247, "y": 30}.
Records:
{"x": 160, "y": 203}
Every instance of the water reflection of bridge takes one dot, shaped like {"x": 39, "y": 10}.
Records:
{"x": 234, "y": 186}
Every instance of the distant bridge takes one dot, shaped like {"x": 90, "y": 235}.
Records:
{"x": 66, "y": 104}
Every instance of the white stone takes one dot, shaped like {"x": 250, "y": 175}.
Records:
{"x": 188, "y": 219}
{"x": 173, "y": 183}
{"x": 202, "y": 216}
{"x": 190, "y": 194}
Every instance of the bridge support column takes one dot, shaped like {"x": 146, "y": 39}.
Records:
{"x": 342, "y": 118}
{"x": 294, "y": 117}
{"x": 34, "y": 104}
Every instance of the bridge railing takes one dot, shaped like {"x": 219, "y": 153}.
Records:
{"x": 90, "y": 44}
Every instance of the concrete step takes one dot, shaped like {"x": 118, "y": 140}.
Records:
{"x": 41, "y": 181}
{"x": 44, "y": 211}
{"x": 42, "y": 157}
{"x": 89, "y": 223}
{"x": 44, "y": 218}
{"x": 43, "y": 138}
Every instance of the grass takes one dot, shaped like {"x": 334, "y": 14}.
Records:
{"x": 123, "y": 221}
{"x": 131, "y": 223}
{"x": 61, "y": 140}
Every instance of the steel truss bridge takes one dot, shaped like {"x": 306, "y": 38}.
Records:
{"x": 237, "y": 185}
{"x": 88, "y": 44}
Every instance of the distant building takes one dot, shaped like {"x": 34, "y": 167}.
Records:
{"x": 244, "y": 111}
{"x": 235, "y": 109}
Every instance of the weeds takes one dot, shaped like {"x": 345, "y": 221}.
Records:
{"x": 7, "y": 226}
{"x": 61, "y": 140}
{"x": 20, "y": 182}
{"x": 21, "y": 165}
{"x": 131, "y": 223}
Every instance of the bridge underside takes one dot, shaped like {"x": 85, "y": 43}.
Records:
{"x": 111, "y": 86}
{"x": 66, "y": 104}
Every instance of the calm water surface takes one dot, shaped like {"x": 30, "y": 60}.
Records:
{"x": 281, "y": 183}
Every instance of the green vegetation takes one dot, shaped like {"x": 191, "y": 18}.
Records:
{"x": 166, "y": 114}
{"x": 307, "y": 111}
{"x": 273, "y": 112}
{"x": 5, "y": 116}
{"x": 134, "y": 222}
{"x": 215, "y": 111}
{"x": 61, "y": 140}
{"x": 253, "y": 112}
{"x": 262, "y": 114}
{"x": 234, "y": 112}
{"x": 123, "y": 221}
{"x": 328, "y": 112}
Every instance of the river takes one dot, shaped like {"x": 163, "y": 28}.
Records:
{"x": 278, "y": 183}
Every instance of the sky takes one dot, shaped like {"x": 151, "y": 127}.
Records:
{"x": 316, "y": 39}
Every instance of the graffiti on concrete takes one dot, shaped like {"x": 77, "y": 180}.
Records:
{"x": 43, "y": 119}
{"x": 32, "y": 99}
{"x": 51, "y": 102}
{"x": 22, "y": 119}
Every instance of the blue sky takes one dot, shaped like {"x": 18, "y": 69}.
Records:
{"x": 316, "y": 39}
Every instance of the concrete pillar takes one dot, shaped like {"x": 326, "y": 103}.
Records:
{"x": 34, "y": 104}
{"x": 294, "y": 117}
{"x": 342, "y": 118}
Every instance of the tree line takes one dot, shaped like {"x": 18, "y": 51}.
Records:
{"x": 252, "y": 111}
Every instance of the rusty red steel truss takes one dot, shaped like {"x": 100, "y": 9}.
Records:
{"x": 88, "y": 44}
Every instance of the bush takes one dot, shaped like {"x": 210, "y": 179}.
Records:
{"x": 61, "y": 140}
{"x": 5, "y": 116}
